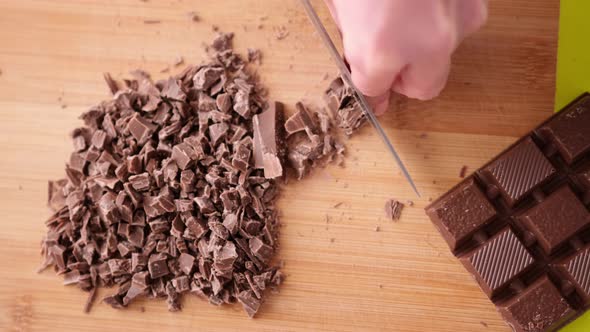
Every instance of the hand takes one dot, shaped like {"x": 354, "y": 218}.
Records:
{"x": 403, "y": 45}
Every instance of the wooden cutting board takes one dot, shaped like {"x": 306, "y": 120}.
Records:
{"x": 342, "y": 274}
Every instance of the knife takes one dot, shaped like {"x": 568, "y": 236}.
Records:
{"x": 347, "y": 78}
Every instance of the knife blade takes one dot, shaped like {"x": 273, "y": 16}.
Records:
{"x": 347, "y": 78}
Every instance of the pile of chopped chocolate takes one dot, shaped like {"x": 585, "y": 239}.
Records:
{"x": 170, "y": 189}
{"x": 344, "y": 106}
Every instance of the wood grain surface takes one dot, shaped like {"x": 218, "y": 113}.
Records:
{"x": 342, "y": 275}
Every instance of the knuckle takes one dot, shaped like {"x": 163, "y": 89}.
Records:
{"x": 443, "y": 40}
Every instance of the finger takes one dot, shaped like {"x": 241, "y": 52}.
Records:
{"x": 379, "y": 104}
{"x": 424, "y": 79}
{"x": 472, "y": 15}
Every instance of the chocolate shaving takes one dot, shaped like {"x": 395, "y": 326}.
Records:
{"x": 393, "y": 209}
{"x": 463, "y": 171}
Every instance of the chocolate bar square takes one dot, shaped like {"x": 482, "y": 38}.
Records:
{"x": 518, "y": 171}
{"x": 463, "y": 212}
{"x": 576, "y": 269}
{"x": 556, "y": 219}
{"x": 498, "y": 262}
{"x": 570, "y": 133}
{"x": 538, "y": 308}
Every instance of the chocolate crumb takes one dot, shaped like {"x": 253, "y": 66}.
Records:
{"x": 254, "y": 56}
{"x": 484, "y": 324}
{"x": 178, "y": 61}
{"x": 393, "y": 209}
{"x": 337, "y": 205}
{"x": 194, "y": 16}
{"x": 463, "y": 171}
{"x": 377, "y": 229}
{"x": 281, "y": 32}
{"x": 113, "y": 86}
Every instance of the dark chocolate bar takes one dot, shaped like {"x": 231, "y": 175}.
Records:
{"x": 521, "y": 223}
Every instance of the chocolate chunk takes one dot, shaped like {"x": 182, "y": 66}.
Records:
{"x": 157, "y": 266}
{"x": 230, "y": 199}
{"x": 183, "y": 154}
{"x": 241, "y": 157}
{"x": 196, "y": 228}
{"x": 181, "y": 284}
{"x": 556, "y": 219}
{"x": 260, "y": 250}
{"x": 249, "y": 302}
{"x": 539, "y": 308}
{"x": 343, "y": 104}
{"x": 300, "y": 121}
{"x": 230, "y": 222}
{"x": 134, "y": 164}
{"x": 172, "y": 298}
{"x": 393, "y": 209}
{"x": 138, "y": 261}
{"x": 99, "y": 139}
{"x": 205, "y": 205}
{"x": 223, "y": 42}
{"x": 79, "y": 143}
{"x": 217, "y": 132}
{"x": 186, "y": 262}
{"x": 172, "y": 90}
{"x": 267, "y": 133}
{"x": 140, "y": 128}
{"x": 460, "y": 213}
{"x": 223, "y": 102}
{"x": 206, "y": 77}
{"x": 187, "y": 181}
{"x": 139, "y": 286}
{"x": 224, "y": 258}
{"x": 119, "y": 267}
{"x": 140, "y": 182}
{"x": 107, "y": 209}
{"x": 114, "y": 301}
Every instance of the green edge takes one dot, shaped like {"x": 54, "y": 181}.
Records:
{"x": 573, "y": 52}
{"x": 573, "y": 77}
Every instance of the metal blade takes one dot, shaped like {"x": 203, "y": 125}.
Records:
{"x": 346, "y": 76}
